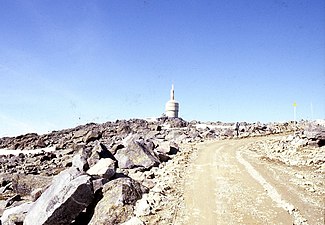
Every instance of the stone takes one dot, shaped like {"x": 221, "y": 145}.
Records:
{"x": 99, "y": 183}
{"x": 93, "y": 159}
{"x": 228, "y": 133}
{"x": 174, "y": 148}
{"x": 301, "y": 142}
{"x": 104, "y": 168}
{"x": 79, "y": 161}
{"x": 79, "y": 147}
{"x": 152, "y": 135}
{"x": 80, "y": 133}
{"x": 6, "y": 187}
{"x": 142, "y": 207}
{"x": 290, "y": 138}
{"x": 2, "y": 206}
{"x": 299, "y": 176}
{"x": 92, "y": 136}
{"x": 47, "y": 156}
{"x": 136, "y": 154}
{"x": 13, "y": 199}
{"x": 158, "y": 128}
{"x": 124, "y": 129}
{"x": 175, "y": 135}
{"x": 148, "y": 183}
{"x": 116, "y": 206}
{"x": 40, "y": 144}
{"x": 16, "y": 214}
{"x": 166, "y": 147}
{"x": 35, "y": 194}
{"x": 172, "y": 122}
{"x": 4, "y": 181}
{"x": 133, "y": 221}
{"x": 316, "y": 133}
{"x": 163, "y": 157}
{"x": 99, "y": 151}
{"x": 163, "y": 147}
{"x": 69, "y": 194}
{"x": 116, "y": 147}
{"x": 311, "y": 189}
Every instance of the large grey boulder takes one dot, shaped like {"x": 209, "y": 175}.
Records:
{"x": 175, "y": 135}
{"x": 116, "y": 206}
{"x": 316, "y": 133}
{"x": 80, "y": 133}
{"x": 173, "y": 122}
{"x": 167, "y": 147}
{"x": 70, "y": 193}
{"x": 92, "y": 135}
{"x": 138, "y": 153}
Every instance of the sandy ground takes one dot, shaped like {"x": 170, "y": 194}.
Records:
{"x": 229, "y": 184}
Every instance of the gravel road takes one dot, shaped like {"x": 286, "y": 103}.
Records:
{"x": 229, "y": 184}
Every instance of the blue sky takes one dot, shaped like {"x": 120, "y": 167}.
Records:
{"x": 64, "y": 63}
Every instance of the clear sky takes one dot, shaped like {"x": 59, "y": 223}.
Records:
{"x": 69, "y": 62}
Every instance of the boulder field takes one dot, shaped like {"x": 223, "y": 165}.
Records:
{"x": 119, "y": 172}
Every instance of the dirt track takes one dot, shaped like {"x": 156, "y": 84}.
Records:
{"x": 228, "y": 184}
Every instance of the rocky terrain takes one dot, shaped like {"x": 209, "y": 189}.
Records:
{"x": 295, "y": 164}
{"x": 123, "y": 172}
{"x": 301, "y": 148}
{"x": 303, "y": 152}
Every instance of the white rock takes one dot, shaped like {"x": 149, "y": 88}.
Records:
{"x": 142, "y": 207}
{"x": 23, "y": 208}
{"x": 299, "y": 176}
{"x": 133, "y": 221}
{"x": 290, "y": 138}
{"x": 104, "y": 167}
{"x": 301, "y": 142}
{"x": 80, "y": 162}
{"x": 311, "y": 189}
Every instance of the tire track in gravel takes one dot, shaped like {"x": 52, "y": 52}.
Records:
{"x": 223, "y": 188}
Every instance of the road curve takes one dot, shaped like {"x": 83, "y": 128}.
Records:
{"x": 223, "y": 187}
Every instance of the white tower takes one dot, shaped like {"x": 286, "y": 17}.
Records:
{"x": 172, "y": 106}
